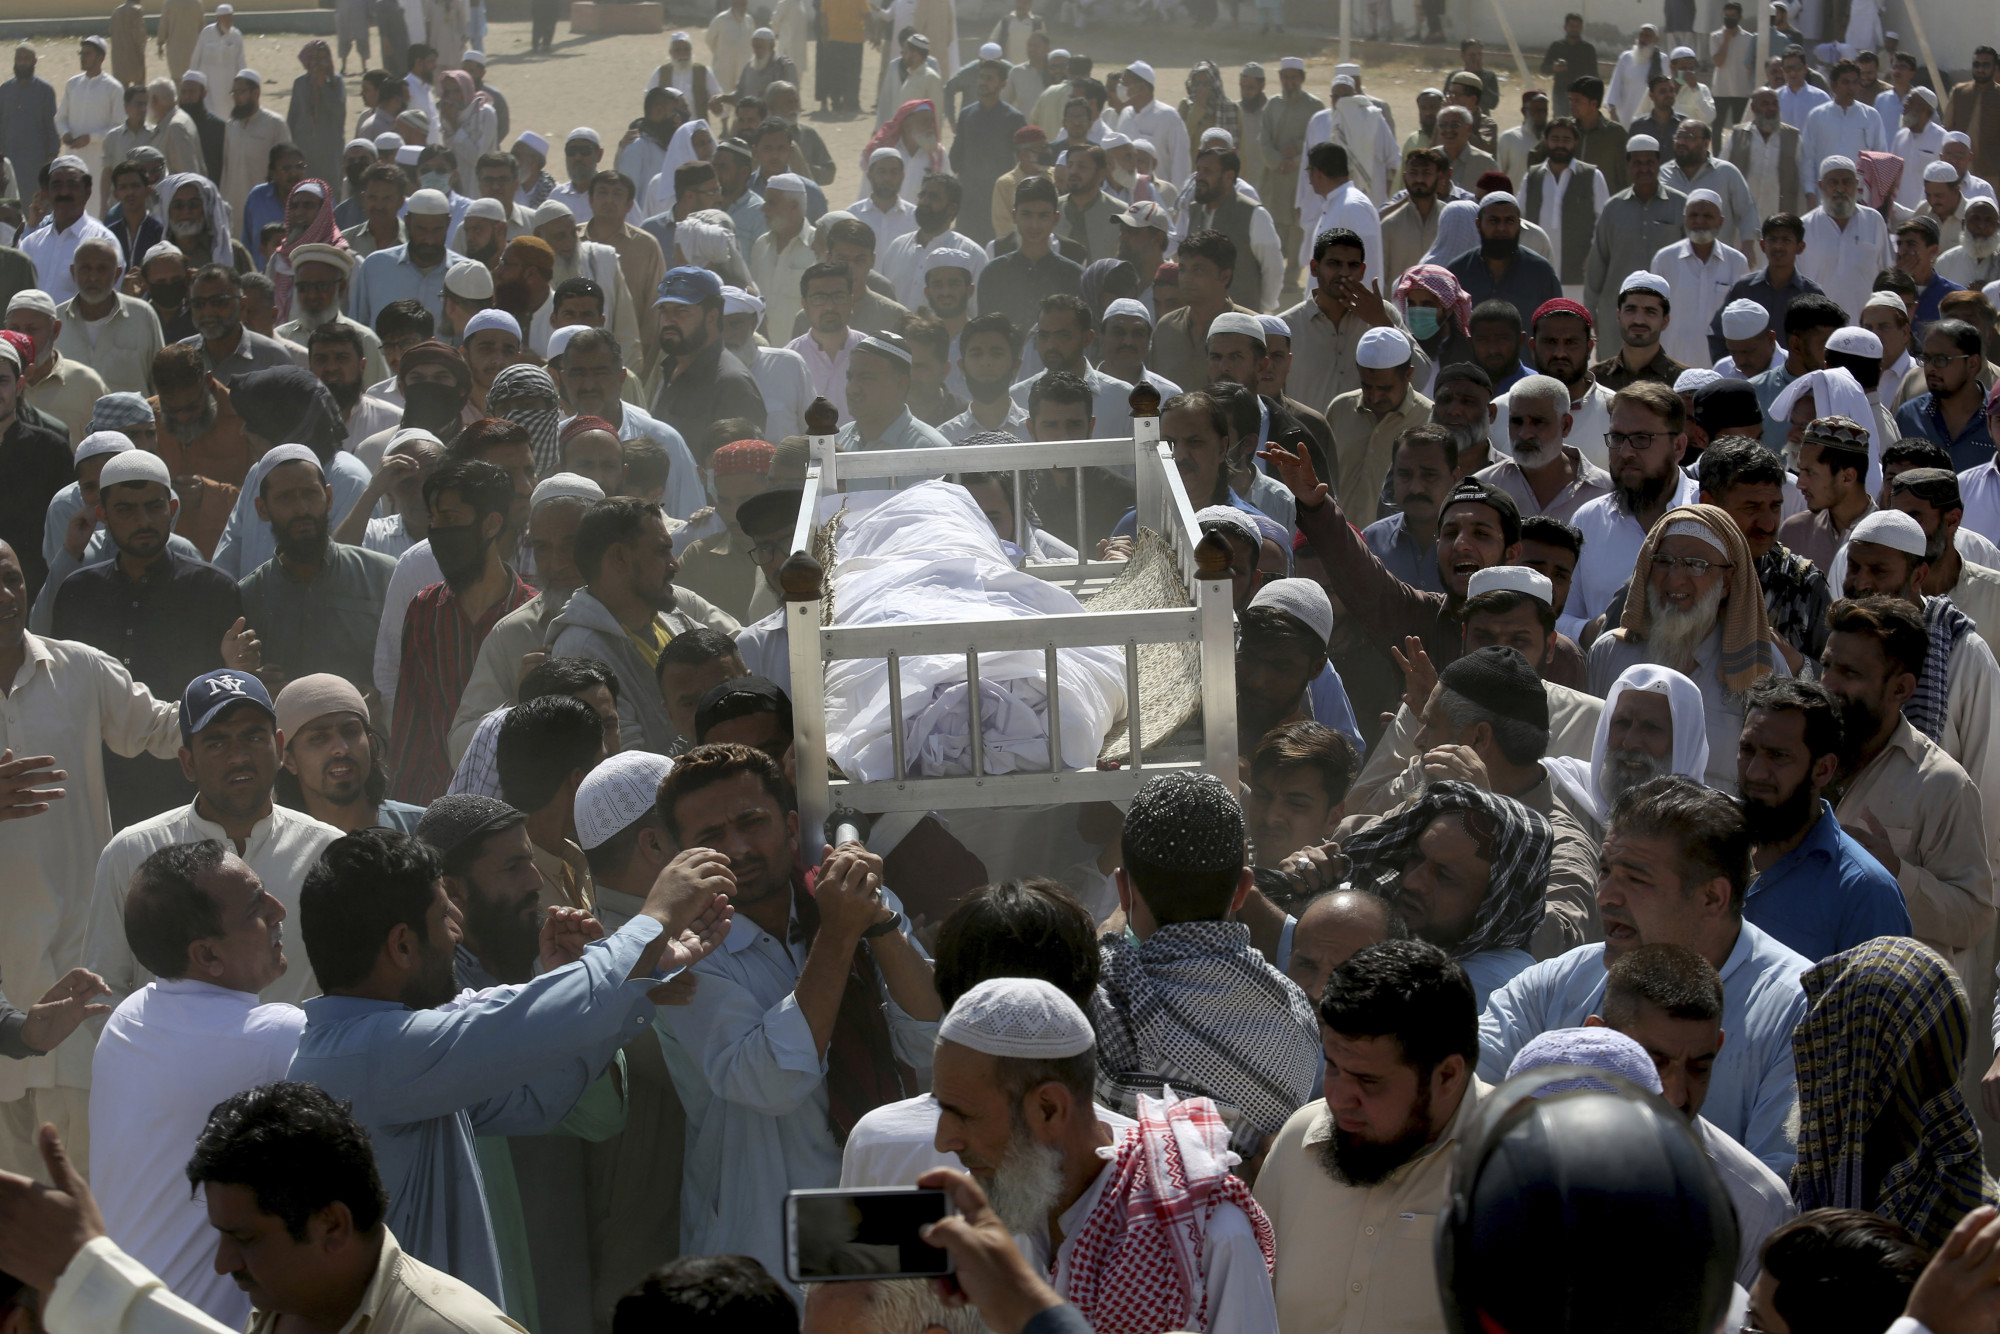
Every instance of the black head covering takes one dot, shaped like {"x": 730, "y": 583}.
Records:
{"x": 289, "y": 406}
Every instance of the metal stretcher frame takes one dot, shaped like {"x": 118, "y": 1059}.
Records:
{"x": 1162, "y": 505}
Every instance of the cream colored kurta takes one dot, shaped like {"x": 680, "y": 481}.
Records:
{"x": 246, "y": 156}
{"x": 1385, "y": 780}
{"x": 177, "y": 137}
{"x": 181, "y": 22}
{"x": 1365, "y": 445}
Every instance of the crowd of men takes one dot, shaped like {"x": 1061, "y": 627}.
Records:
{"x": 398, "y": 838}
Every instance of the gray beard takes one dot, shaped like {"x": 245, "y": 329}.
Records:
{"x": 1624, "y": 770}
{"x": 1027, "y": 1185}
{"x": 1532, "y": 454}
{"x": 309, "y": 321}
{"x": 187, "y": 231}
{"x": 1842, "y": 209}
{"x": 1766, "y": 125}
{"x": 189, "y": 432}
{"x": 1982, "y": 247}
{"x": 1675, "y": 636}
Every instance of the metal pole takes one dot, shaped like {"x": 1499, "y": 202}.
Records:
{"x": 1346, "y": 25}
{"x": 1763, "y": 56}
{"x": 1528, "y": 80}
{"x": 1924, "y": 45}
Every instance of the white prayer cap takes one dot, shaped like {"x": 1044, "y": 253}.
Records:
{"x": 1059, "y": 53}
{"x": 1125, "y": 305}
{"x": 1682, "y": 53}
{"x": 991, "y": 51}
{"x": 469, "y": 279}
{"x": 195, "y": 77}
{"x": 407, "y": 156}
{"x": 1113, "y": 139}
{"x": 409, "y": 433}
{"x": 221, "y": 10}
{"x": 314, "y": 189}
{"x": 135, "y": 465}
{"x": 283, "y": 454}
{"x": 1347, "y": 67}
{"x": 885, "y": 154}
{"x": 1497, "y": 197}
{"x": 69, "y": 161}
{"x": 353, "y": 144}
{"x": 1704, "y": 196}
{"x": 1140, "y": 70}
{"x": 1292, "y": 62}
{"x": 1693, "y": 378}
{"x": 33, "y": 298}
{"x": 551, "y": 210}
{"x": 388, "y": 142}
{"x": 584, "y": 132}
{"x": 1215, "y": 134}
{"x": 1511, "y": 579}
{"x": 1021, "y": 1017}
{"x": 736, "y": 301}
{"x": 98, "y": 42}
{"x": 1146, "y": 146}
{"x": 1941, "y": 173}
{"x": 1345, "y": 80}
{"x": 1886, "y": 528}
{"x": 1438, "y": 93}
{"x": 1230, "y": 515}
{"x": 565, "y": 486}
{"x": 487, "y": 210}
{"x": 1926, "y": 94}
{"x": 1958, "y": 137}
{"x": 764, "y": 33}
{"x": 490, "y": 319}
{"x": 1639, "y": 280}
{"x": 949, "y": 257}
{"x": 679, "y": 35}
{"x": 430, "y": 203}
{"x": 473, "y": 58}
{"x": 102, "y": 442}
{"x": 533, "y": 142}
{"x": 250, "y": 76}
{"x": 1855, "y": 340}
{"x": 1744, "y": 318}
{"x": 1274, "y": 328}
{"x": 1382, "y": 349}
{"x": 1641, "y": 143}
{"x": 559, "y": 339}
{"x": 1303, "y": 598}
{"x": 888, "y": 345}
{"x": 1888, "y": 300}
{"x": 162, "y": 250}
{"x": 319, "y": 252}
{"x": 620, "y": 790}
{"x": 788, "y": 181}
{"x": 11, "y": 355}
{"x": 1699, "y": 531}
{"x": 1833, "y": 162}
{"x": 1236, "y": 322}
{"x": 1981, "y": 201}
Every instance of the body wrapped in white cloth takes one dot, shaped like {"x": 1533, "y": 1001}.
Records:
{"x": 928, "y": 554}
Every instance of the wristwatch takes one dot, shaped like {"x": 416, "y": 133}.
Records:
{"x": 895, "y": 923}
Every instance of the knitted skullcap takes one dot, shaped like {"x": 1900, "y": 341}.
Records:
{"x": 1301, "y": 598}
{"x": 564, "y": 486}
{"x": 1187, "y": 821}
{"x": 1596, "y": 1048}
{"x": 1230, "y": 516}
{"x": 1500, "y": 679}
{"x": 617, "y": 792}
{"x": 1021, "y": 1017}
{"x": 458, "y": 816}
{"x": 1744, "y": 318}
{"x": 740, "y": 458}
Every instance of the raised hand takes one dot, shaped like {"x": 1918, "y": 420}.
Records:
{"x": 1959, "y": 1290}
{"x": 1419, "y": 676}
{"x": 701, "y": 938}
{"x": 849, "y": 890}
{"x": 43, "y": 1227}
{"x": 686, "y": 887}
{"x": 242, "y": 651}
{"x": 1296, "y": 472}
{"x": 565, "y": 931}
{"x": 62, "y": 1008}
{"x": 22, "y": 785}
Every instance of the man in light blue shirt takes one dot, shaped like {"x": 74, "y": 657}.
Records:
{"x": 426, "y": 1066}
{"x": 412, "y": 270}
{"x": 878, "y": 393}
{"x": 1675, "y": 867}
{"x": 1797, "y": 96}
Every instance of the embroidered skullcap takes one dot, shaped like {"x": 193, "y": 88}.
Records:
{"x": 551, "y": 210}
{"x": 1836, "y": 432}
{"x": 16, "y": 348}
{"x": 1639, "y": 280}
{"x": 318, "y": 252}
{"x": 490, "y": 319}
{"x": 1189, "y": 821}
{"x": 458, "y": 816}
{"x": 986, "y": 438}
{"x": 386, "y": 142}
{"x": 1292, "y": 62}
{"x": 487, "y": 210}
{"x": 1887, "y": 528}
{"x": 316, "y": 696}
{"x": 1027, "y": 134}
{"x": 1693, "y": 379}
{"x": 1230, "y": 516}
{"x": 103, "y": 441}
{"x": 1833, "y": 162}
{"x": 115, "y": 412}
{"x": 1744, "y": 318}
{"x": 1382, "y": 349}
{"x": 743, "y": 458}
{"x": 1498, "y": 197}
{"x": 620, "y": 790}
{"x": 1302, "y": 598}
{"x": 1941, "y": 173}
{"x": 33, "y": 298}
{"x": 1703, "y": 196}
{"x": 1596, "y": 1048}
{"x": 1561, "y": 305}
{"x": 888, "y": 345}
{"x": 565, "y": 486}
{"x": 429, "y": 203}
{"x": 1236, "y": 322}
{"x": 1024, "y": 1018}
{"x": 1696, "y": 529}
{"x": 1500, "y": 679}
{"x": 1855, "y": 340}
{"x": 1511, "y": 579}
{"x": 135, "y": 465}
{"x": 1641, "y": 143}
{"x": 576, "y": 426}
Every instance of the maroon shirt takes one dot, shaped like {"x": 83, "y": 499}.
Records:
{"x": 439, "y": 649}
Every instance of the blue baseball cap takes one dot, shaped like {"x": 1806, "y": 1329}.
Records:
{"x": 688, "y": 286}
{"x": 212, "y": 692}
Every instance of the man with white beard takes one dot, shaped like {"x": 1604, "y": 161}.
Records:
{"x": 1546, "y": 474}
{"x": 1356, "y": 124}
{"x": 577, "y": 258}
{"x": 1013, "y": 1077}
{"x": 1653, "y": 723}
{"x": 1975, "y": 261}
{"x": 1702, "y": 615}
{"x": 1625, "y": 96}
{"x": 319, "y": 298}
{"x": 1847, "y": 243}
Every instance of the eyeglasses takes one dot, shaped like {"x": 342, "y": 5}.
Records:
{"x": 763, "y": 553}
{"x": 1635, "y": 439}
{"x": 1937, "y": 361}
{"x": 1694, "y": 565}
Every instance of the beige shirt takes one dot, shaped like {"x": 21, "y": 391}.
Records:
{"x": 1385, "y": 780}
{"x": 1366, "y": 445}
{"x": 407, "y": 1296}
{"x": 1932, "y": 812}
{"x": 565, "y": 877}
{"x": 1356, "y": 1259}
{"x": 69, "y": 393}
{"x": 120, "y": 349}
{"x": 1407, "y": 236}
{"x": 1589, "y": 482}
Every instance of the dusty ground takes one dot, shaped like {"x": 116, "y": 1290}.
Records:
{"x": 600, "y": 81}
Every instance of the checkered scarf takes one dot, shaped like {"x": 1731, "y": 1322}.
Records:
{"x": 1441, "y": 283}
{"x": 1196, "y": 1006}
{"x": 1878, "y": 1056}
{"x": 1136, "y": 1267}
{"x": 1879, "y": 173}
{"x": 1749, "y": 653}
{"x": 1947, "y": 625}
{"x": 1516, "y": 841}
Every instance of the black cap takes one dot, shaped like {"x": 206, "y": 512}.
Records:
{"x": 453, "y": 819}
{"x": 1722, "y": 407}
{"x": 739, "y": 699}
{"x": 1472, "y": 491}
{"x": 1499, "y": 678}
{"x": 770, "y": 509}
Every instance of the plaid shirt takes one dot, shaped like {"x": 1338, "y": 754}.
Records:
{"x": 1795, "y": 599}
{"x": 439, "y": 649}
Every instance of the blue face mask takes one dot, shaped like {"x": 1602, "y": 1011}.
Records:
{"x": 1423, "y": 321}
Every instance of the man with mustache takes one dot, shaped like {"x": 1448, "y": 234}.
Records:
{"x": 165, "y": 616}
{"x": 334, "y": 764}
{"x": 1645, "y": 443}
{"x": 1652, "y": 725}
{"x": 1545, "y": 473}
{"x": 1747, "y": 482}
{"x": 320, "y": 275}
{"x": 229, "y": 348}
{"x": 414, "y": 269}
{"x": 1975, "y": 261}
{"x": 1846, "y": 243}
{"x": 52, "y": 246}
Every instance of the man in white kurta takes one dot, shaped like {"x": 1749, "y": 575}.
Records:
{"x": 1355, "y": 124}
{"x": 1918, "y": 144}
{"x": 247, "y": 140}
{"x": 1153, "y": 120}
{"x": 218, "y": 52}
{"x": 729, "y": 49}
{"x": 68, "y": 701}
{"x": 1625, "y": 95}
{"x": 1847, "y": 243}
{"x": 93, "y": 105}
{"x": 1700, "y": 274}
{"x": 1845, "y": 127}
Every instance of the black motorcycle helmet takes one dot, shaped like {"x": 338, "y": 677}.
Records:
{"x": 1583, "y": 1212}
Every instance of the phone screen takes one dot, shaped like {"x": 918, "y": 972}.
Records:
{"x": 862, "y": 1234}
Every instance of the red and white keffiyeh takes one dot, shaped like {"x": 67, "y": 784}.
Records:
{"x": 1441, "y": 283}
{"x": 1880, "y": 173}
{"x": 1136, "y": 1265}
{"x": 322, "y": 231}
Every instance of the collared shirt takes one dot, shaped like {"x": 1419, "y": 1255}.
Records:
{"x": 1814, "y": 536}
{"x": 1775, "y": 299}
{"x": 965, "y": 424}
{"x": 1971, "y": 447}
{"x": 253, "y": 352}
{"x": 326, "y": 624}
{"x": 829, "y": 373}
{"x": 1367, "y": 445}
{"x": 439, "y": 646}
{"x": 901, "y": 261}
{"x": 169, "y": 1053}
{"x": 1933, "y": 816}
{"x": 1398, "y": 550}
{"x": 165, "y": 627}
{"x": 1323, "y": 364}
{"x": 1614, "y": 537}
{"x": 1527, "y": 281}
{"x": 390, "y": 275}
{"x": 511, "y": 1060}
{"x": 1979, "y": 488}
{"x": 891, "y": 224}
{"x": 1614, "y": 373}
{"x": 119, "y": 348}
{"x": 247, "y": 542}
{"x": 1110, "y": 401}
{"x": 53, "y": 249}
{"x": 1014, "y": 285}
{"x": 1752, "y": 1093}
{"x": 1586, "y": 484}
{"x": 777, "y": 272}
{"x": 407, "y": 1296}
{"x": 282, "y": 847}
{"x": 1701, "y": 289}
{"x": 1722, "y": 709}
{"x": 906, "y": 432}
{"x": 1357, "y": 1259}
{"x": 708, "y": 387}
{"x": 91, "y": 105}
{"x": 1795, "y": 106}
{"x": 1844, "y": 261}
{"x": 1556, "y": 187}
{"x": 68, "y": 391}
{"x": 753, "y": 1080}
{"x": 1827, "y": 894}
